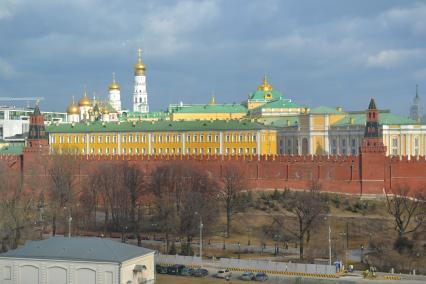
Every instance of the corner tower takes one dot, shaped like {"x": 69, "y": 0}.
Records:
{"x": 140, "y": 96}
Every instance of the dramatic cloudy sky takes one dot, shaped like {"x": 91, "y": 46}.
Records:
{"x": 316, "y": 52}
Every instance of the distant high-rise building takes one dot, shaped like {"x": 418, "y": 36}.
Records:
{"x": 416, "y": 109}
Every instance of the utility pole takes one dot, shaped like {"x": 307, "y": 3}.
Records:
{"x": 201, "y": 239}
{"x": 69, "y": 225}
{"x": 329, "y": 245}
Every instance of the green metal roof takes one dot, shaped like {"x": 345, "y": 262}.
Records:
{"x": 208, "y": 108}
{"x": 325, "y": 110}
{"x": 384, "y": 119}
{"x": 78, "y": 249}
{"x": 287, "y": 121}
{"x": 194, "y": 125}
{"x": 11, "y": 149}
{"x": 280, "y": 103}
{"x": 262, "y": 95}
{"x": 158, "y": 114}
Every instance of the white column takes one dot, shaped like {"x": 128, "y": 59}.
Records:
{"x": 258, "y": 136}
{"x": 87, "y": 144}
{"x": 407, "y": 145}
{"x": 183, "y": 143}
{"x": 118, "y": 143}
{"x": 221, "y": 143}
{"x": 326, "y": 136}
{"x": 149, "y": 144}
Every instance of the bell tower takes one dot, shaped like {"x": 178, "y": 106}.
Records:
{"x": 140, "y": 95}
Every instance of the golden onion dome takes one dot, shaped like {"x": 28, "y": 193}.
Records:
{"x": 139, "y": 66}
{"x": 73, "y": 108}
{"x": 84, "y": 101}
{"x": 114, "y": 85}
{"x": 265, "y": 85}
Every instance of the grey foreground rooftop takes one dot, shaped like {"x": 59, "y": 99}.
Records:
{"x": 78, "y": 249}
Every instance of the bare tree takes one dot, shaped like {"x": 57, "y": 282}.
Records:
{"x": 181, "y": 190}
{"x": 89, "y": 198}
{"x": 307, "y": 206}
{"x": 62, "y": 182}
{"x": 134, "y": 184}
{"x": 233, "y": 182}
{"x": 16, "y": 209}
{"x": 408, "y": 212}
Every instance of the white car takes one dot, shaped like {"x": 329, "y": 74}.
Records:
{"x": 223, "y": 273}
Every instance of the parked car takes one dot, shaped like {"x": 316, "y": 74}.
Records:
{"x": 200, "y": 272}
{"x": 223, "y": 273}
{"x": 175, "y": 269}
{"x": 161, "y": 269}
{"x": 247, "y": 276}
{"x": 261, "y": 277}
{"x": 187, "y": 271}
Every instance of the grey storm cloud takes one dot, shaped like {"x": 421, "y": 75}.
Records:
{"x": 316, "y": 52}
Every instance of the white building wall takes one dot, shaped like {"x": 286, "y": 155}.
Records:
{"x": 146, "y": 276}
{"x": 140, "y": 95}
{"x": 115, "y": 99}
{"x": 40, "y": 271}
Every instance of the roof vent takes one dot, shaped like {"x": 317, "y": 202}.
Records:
{"x": 339, "y": 108}
{"x": 134, "y": 124}
{"x": 72, "y": 124}
{"x": 103, "y": 124}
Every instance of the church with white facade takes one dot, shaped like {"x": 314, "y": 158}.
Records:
{"x": 110, "y": 109}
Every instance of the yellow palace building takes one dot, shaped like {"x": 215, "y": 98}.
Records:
{"x": 214, "y": 137}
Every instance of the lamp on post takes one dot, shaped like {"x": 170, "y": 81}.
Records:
{"x": 329, "y": 240}
{"x": 201, "y": 236}
{"x": 239, "y": 250}
{"x": 249, "y": 236}
{"x": 224, "y": 237}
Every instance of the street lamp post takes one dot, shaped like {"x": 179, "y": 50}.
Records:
{"x": 329, "y": 240}
{"x": 249, "y": 236}
{"x": 362, "y": 253}
{"x": 69, "y": 225}
{"x": 239, "y": 250}
{"x": 329, "y": 244}
{"x": 201, "y": 239}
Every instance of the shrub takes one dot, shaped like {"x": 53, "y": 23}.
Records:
{"x": 403, "y": 244}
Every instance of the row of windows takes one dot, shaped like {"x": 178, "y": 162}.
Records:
{"x": 143, "y": 151}
{"x": 395, "y": 146}
{"x": 343, "y": 142}
{"x": 130, "y": 138}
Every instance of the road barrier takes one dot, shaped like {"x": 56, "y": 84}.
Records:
{"x": 243, "y": 265}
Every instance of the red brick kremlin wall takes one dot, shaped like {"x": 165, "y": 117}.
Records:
{"x": 369, "y": 173}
